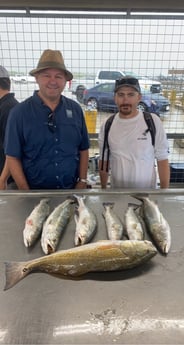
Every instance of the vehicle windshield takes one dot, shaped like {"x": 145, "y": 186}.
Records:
{"x": 143, "y": 91}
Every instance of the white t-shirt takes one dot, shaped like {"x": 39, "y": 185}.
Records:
{"x": 132, "y": 155}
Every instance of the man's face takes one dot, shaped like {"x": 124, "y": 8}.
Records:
{"x": 127, "y": 100}
{"x": 51, "y": 83}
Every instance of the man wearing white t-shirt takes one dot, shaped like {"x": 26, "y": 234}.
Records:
{"x": 132, "y": 154}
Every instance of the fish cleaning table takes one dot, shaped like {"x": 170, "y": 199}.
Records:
{"x": 144, "y": 305}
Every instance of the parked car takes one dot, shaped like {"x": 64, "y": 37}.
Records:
{"x": 101, "y": 97}
{"x": 109, "y": 76}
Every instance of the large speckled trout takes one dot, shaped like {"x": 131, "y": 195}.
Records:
{"x": 93, "y": 257}
{"x": 86, "y": 222}
{"x": 133, "y": 224}
{"x": 157, "y": 225}
{"x": 35, "y": 221}
{"x": 55, "y": 225}
{"x": 113, "y": 222}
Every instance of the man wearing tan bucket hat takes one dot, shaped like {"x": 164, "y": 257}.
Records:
{"x": 46, "y": 140}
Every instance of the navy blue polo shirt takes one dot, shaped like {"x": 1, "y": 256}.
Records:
{"x": 47, "y": 145}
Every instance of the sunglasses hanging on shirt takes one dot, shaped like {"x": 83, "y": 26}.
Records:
{"x": 51, "y": 123}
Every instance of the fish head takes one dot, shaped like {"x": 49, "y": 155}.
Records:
{"x": 28, "y": 232}
{"x": 166, "y": 247}
{"x": 142, "y": 249}
{"x": 49, "y": 247}
{"x": 80, "y": 239}
{"x": 148, "y": 247}
{"x": 162, "y": 237}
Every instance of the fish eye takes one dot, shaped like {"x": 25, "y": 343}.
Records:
{"x": 25, "y": 269}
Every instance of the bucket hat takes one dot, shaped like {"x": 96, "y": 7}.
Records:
{"x": 51, "y": 59}
{"x": 127, "y": 81}
{"x": 3, "y": 72}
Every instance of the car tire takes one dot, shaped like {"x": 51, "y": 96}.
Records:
{"x": 142, "y": 106}
{"x": 93, "y": 103}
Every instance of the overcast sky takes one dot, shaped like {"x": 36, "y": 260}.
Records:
{"x": 147, "y": 47}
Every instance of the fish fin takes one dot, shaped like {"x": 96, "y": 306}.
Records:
{"x": 15, "y": 271}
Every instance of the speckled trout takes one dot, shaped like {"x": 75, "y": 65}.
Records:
{"x": 113, "y": 222}
{"x": 86, "y": 222}
{"x": 157, "y": 225}
{"x": 133, "y": 224}
{"x": 92, "y": 257}
{"x": 54, "y": 226}
{"x": 35, "y": 221}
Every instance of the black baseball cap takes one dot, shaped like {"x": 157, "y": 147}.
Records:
{"x": 127, "y": 81}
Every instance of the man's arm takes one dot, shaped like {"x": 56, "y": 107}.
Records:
{"x": 4, "y": 176}
{"x": 103, "y": 174}
{"x": 83, "y": 169}
{"x": 164, "y": 173}
{"x": 16, "y": 171}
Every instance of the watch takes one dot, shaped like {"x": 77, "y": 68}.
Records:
{"x": 82, "y": 180}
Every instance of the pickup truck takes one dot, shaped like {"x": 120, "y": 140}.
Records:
{"x": 108, "y": 76}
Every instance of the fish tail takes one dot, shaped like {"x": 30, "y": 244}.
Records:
{"x": 134, "y": 206}
{"x": 78, "y": 197}
{"x": 47, "y": 200}
{"x": 140, "y": 196}
{"x": 15, "y": 271}
{"x": 110, "y": 204}
{"x": 72, "y": 199}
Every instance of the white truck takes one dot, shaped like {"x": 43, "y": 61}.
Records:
{"x": 108, "y": 76}
{"x": 23, "y": 79}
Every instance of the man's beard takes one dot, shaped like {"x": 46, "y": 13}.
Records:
{"x": 125, "y": 109}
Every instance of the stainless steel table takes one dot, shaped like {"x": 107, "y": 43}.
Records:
{"x": 144, "y": 305}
